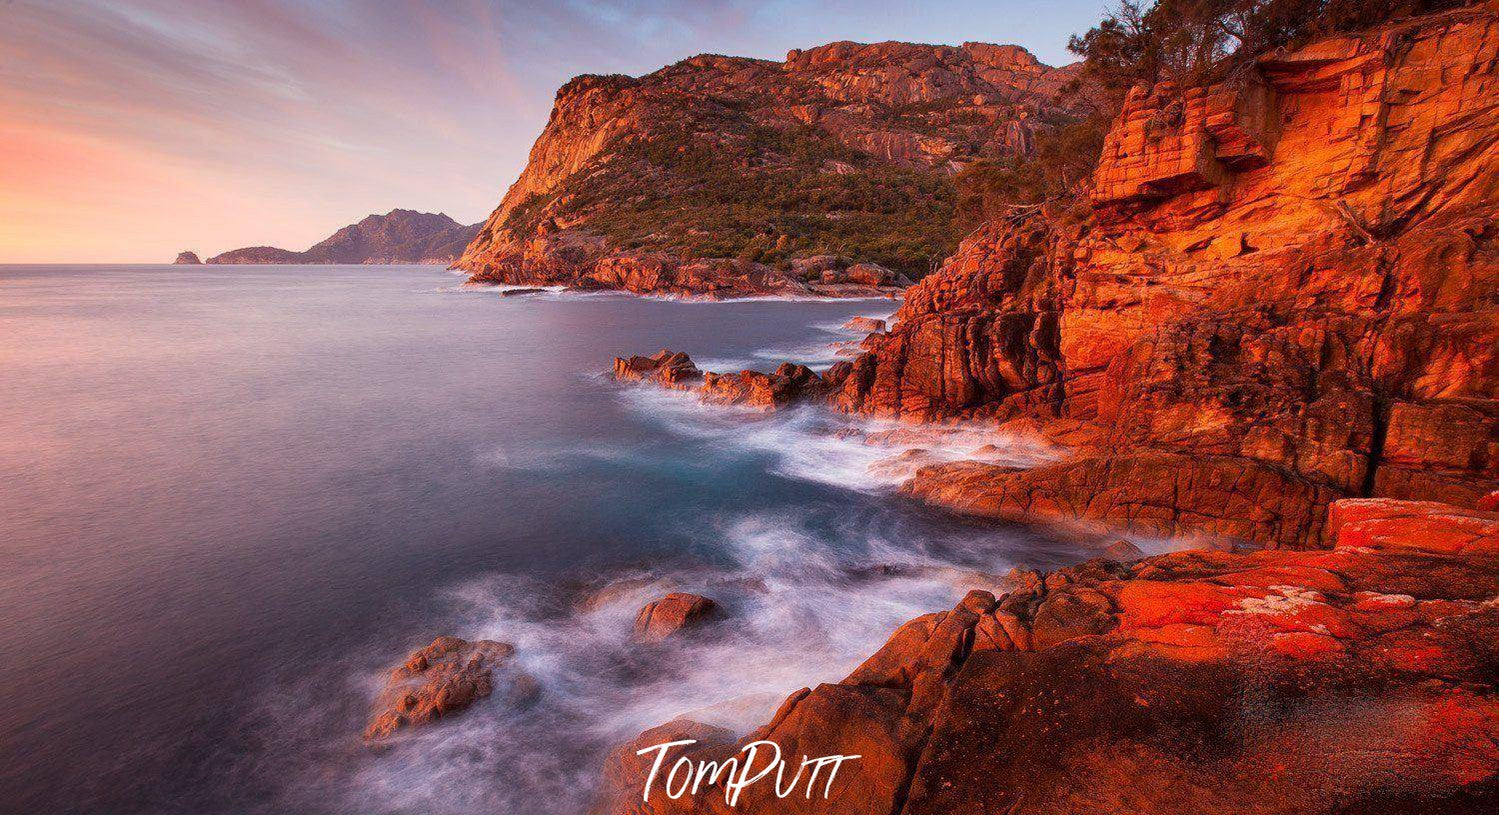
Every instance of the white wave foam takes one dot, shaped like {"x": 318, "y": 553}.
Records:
{"x": 887, "y": 316}
{"x": 812, "y": 444}
{"x": 799, "y": 611}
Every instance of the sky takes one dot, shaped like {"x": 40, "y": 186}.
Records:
{"x": 131, "y": 130}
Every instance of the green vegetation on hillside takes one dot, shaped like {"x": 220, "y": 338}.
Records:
{"x": 759, "y": 193}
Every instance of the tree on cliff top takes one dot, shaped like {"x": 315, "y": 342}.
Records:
{"x": 1186, "y": 42}
{"x": 1196, "y": 42}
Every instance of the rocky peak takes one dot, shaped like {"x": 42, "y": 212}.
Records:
{"x": 187, "y": 259}
{"x": 844, "y": 149}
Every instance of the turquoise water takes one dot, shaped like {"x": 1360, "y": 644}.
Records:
{"x": 234, "y": 496}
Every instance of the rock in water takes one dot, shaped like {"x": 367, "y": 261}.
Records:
{"x": 789, "y": 384}
{"x": 668, "y": 369}
{"x": 671, "y": 615}
{"x": 866, "y": 325}
{"x": 441, "y": 679}
{"x": 187, "y": 259}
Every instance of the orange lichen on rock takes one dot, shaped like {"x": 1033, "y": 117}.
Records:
{"x": 1164, "y": 686}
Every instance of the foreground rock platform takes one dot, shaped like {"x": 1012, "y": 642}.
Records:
{"x": 1356, "y": 679}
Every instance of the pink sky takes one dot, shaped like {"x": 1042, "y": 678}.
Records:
{"x": 131, "y": 130}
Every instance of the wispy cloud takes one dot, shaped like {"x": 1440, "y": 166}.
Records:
{"x": 131, "y": 129}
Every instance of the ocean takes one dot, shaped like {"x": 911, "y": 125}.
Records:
{"x": 232, "y": 498}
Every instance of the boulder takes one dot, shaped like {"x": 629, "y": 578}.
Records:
{"x": 442, "y": 679}
{"x": 864, "y": 325}
{"x": 668, "y": 369}
{"x": 672, "y": 615}
{"x": 869, "y": 274}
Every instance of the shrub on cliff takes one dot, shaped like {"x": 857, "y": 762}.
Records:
{"x": 1185, "y": 42}
{"x": 1060, "y": 167}
{"x": 1195, "y": 42}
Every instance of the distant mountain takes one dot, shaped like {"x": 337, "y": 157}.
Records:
{"x": 187, "y": 259}
{"x": 398, "y": 236}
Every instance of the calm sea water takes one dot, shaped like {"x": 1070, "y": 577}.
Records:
{"x": 231, "y": 498}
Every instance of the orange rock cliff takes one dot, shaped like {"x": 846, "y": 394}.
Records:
{"x": 1284, "y": 294}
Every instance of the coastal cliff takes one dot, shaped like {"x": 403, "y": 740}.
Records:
{"x": 398, "y": 236}
{"x": 1271, "y": 324}
{"x": 828, "y": 173}
{"x": 1281, "y": 294}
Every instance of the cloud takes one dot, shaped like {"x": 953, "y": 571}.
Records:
{"x": 331, "y": 109}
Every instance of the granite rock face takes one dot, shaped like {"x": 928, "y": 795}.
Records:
{"x": 398, "y": 236}
{"x": 729, "y": 177}
{"x": 1359, "y": 678}
{"x": 1282, "y": 294}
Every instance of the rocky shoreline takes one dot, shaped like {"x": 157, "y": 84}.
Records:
{"x": 1271, "y": 328}
{"x": 1267, "y": 326}
{"x": 1359, "y": 678}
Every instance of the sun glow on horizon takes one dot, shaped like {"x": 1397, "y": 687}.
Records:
{"x": 133, "y": 130}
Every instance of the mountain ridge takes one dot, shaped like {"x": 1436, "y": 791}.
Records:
{"x": 398, "y": 236}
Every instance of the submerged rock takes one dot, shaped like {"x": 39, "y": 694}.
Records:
{"x": 1122, "y": 550}
{"x": 445, "y": 677}
{"x": 671, "y": 615}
